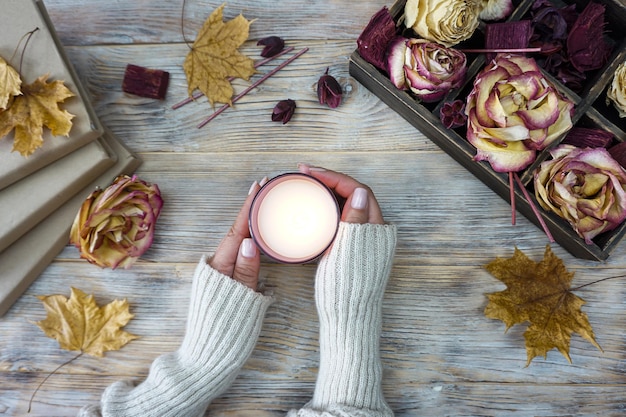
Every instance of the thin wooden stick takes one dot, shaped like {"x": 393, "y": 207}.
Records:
{"x": 500, "y": 50}
{"x": 534, "y": 208}
{"x": 255, "y": 84}
{"x": 257, "y": 64}
{"x": 512, "y": 197}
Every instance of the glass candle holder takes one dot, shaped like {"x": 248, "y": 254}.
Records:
{"x": 294, "y": 218}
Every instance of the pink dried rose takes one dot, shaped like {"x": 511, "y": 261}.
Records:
{"x": 513, "y": 111}
{"x": 115, "y": 226}
{"x": 427, "y": 69}
{"x": 585, "y": 186}
{"x": 329, "y": 91}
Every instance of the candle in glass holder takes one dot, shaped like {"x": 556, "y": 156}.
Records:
{"x": 294, "y": 218}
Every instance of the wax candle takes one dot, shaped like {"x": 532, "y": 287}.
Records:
{"x": 294, "y": 218}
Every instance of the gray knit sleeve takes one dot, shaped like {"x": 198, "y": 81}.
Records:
{"x": 223, "y": 324}
{"x": 349, "y": 288}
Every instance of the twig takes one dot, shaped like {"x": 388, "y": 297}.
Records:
{"x": 30, "y": 403}
{"x": 257, "y": 64}
{"x": 500, "y": 50}
{"x": 255, "y": 84}
{"x": 512, "y": 197}
{"x": 534, "y": 208}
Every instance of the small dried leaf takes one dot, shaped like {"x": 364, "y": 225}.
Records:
{"x": 539, "y": 293}
{"x": 10, "y": 83}
{"x": 273, "y": 45}
{"x": 79, "y": 324}
{"x": 36, "y": 108}
{"x": 214, "y": 57}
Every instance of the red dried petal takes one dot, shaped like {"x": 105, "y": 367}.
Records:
{"x": 586, "y": 46}
{"x": 373, "y": 41}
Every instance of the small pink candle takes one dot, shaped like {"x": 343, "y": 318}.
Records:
{"x": 294, "y": 218}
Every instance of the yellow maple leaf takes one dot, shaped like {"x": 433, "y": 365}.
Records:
{"x": 79, "y": 324}
{"x": 37, "y": 107}
{"x": 214, "y": 57}
{"x": 539, "y": 293}
{"x": 10, "y": 83}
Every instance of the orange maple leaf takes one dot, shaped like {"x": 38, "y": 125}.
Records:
{"x": 214, "y": 57}
{"x": 38, "y": 106}
{"x": 539, "y": 293}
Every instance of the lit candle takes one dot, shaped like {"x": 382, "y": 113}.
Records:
{"x": 294, "y": 218}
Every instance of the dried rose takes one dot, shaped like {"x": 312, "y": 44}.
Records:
{"x": 452, "y": 114}
{"x": 586, "y": 187}
{"x": 429, "y": 70}
{"x": 513, "y": 111}
{"x": 447, "y": 22}
{"x": 273, "y": 45}
{"x": 586, "y": 47}
{"x": 617, "y": 90}
{"x": 373, "y": 41}
{"x": 115, "y": 226}
{"x": 283, "y": 111}
{"x": 329, "y": 91}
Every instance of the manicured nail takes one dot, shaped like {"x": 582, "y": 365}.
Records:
{"x": 248, "y": 248}
{"x": 252, "y": 187}
{"x": 263, "y": 181}
{"x": 304, "y": 168}
{"x": 359, "y": 199}
{"x": 317, "y": 169}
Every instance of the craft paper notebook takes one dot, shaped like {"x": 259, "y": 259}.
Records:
{"x": 43, "y": 54}
{"x": 25, "y": 203}
{"x": 23, "y": 261}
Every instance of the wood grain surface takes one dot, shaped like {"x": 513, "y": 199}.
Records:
{"x": 441, "y": 356}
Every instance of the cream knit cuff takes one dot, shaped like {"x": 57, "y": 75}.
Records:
{"x": 349, "y": 289}
{"x": 223, "y": 324}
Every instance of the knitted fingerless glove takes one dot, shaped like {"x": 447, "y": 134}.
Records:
{"x": 349, "y": 289}
{"x": 223, "y": 325}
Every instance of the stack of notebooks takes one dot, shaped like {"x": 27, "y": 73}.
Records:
{"x": 41, "y": 194}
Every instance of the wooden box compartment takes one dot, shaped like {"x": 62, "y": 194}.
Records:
{"x": 590, "y": 111}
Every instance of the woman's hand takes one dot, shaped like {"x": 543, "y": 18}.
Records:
{"x": 237, "y": 255}
{"x": 361, "y": 205}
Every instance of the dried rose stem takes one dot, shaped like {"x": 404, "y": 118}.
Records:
{"x": 534, "y": 208}
{"x": 512, "y": 197}
{"x": 255, "y": 84}
{"x": 500, "y": 50}
{"x": 257, "y": 64}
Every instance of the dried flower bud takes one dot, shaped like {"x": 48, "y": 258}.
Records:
{"x": 283, "y": 111}
{"x": 376, "y": 37}
{"x": 452, "y": 114}
{"x": 586, "y": 47}
{"x": 115, "y": 226}
{"x": 617, "y": 90}
{"x": 329, "y": 91}
{"x": 273, "y": 45}
{"x": 584, "y": 137}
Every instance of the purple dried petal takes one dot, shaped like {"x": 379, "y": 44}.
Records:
{"x": 329, "y": 91}
{"x": 283, "y": 111}
{"x": 618, "y": 152}
{"x": 586, "y": 46}
{"x": 507, "y": 35}
{"x": 452, "y": 114}
{"x": 273, "y": 46}
{"x": 584, "y": 137}
{"x": 373, "y": 41}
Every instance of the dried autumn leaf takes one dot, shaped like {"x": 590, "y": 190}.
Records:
{"x": 10, "y": 83}
{"x": 539, "y": 293}
{"x": 79, "y": 324}
{"x": 37, "y": 107}
{"x": 214, "y": 57}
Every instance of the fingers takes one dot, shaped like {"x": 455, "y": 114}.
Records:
{"x": 248, "y": 264}
{"x": 361, "y": 205}
{"x": 228, "y": 252}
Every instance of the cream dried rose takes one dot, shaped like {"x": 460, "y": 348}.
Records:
{"x": 447, "y": 22}
{"x": 115, "y": 226}
{"x": 617, "y": 90}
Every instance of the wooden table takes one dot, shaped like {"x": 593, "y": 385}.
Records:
{"x": 441, "y": 355}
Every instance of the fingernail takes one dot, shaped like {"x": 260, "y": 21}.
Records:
{"x": 263, "y": 181}
{"x": 304, "y": 168}
{"x": 252, "y": 187}
{"x": 248, "y": 248}
{"x": 359, "y": 199}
